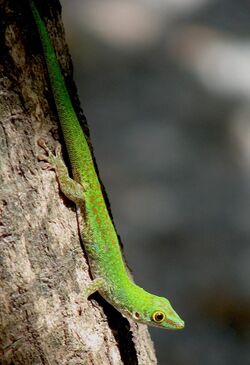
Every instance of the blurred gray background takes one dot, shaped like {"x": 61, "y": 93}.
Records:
{"x": 165, "y": 86}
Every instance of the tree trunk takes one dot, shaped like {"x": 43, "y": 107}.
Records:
{"x": 44, "y": 317}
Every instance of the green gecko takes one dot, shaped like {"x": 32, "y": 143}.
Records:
{"x": 108, "y": 270}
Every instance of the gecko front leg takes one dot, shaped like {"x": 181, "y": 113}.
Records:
{"x": 98, "y": 284}
{"x": 70, "y": 188}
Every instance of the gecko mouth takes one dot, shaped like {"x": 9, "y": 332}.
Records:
{"x": 176, "y": 325}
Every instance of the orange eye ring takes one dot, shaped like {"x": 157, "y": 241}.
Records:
{"x": 158, "y": 317}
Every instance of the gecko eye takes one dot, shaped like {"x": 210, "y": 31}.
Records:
{"x": 158, "y": 317}
{"x": 136, "y": 315}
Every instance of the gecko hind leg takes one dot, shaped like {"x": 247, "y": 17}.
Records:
{"x": 69, "y": 187}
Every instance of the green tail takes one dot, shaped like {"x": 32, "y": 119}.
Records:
{"x": 76, "y": 143}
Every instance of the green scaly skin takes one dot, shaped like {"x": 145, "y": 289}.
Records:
{"x": 109, "y": 273}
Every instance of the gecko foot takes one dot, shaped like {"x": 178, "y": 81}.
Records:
{"x": 54, "y": 160}
{"x": 70, "y": 188}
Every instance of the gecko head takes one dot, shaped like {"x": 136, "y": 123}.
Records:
{"x": 158, "y": 312}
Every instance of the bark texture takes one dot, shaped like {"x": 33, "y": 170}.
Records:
{"x": 43, "y": 269}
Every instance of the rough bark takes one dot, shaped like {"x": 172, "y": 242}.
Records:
{"x": 44, "y": 318}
